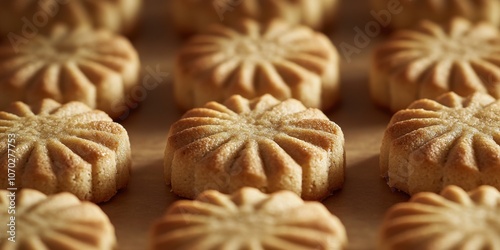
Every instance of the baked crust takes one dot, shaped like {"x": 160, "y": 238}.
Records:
{"x": 67, "y": 147}
{"x": 431, "y": 60}
{"x": 451, "y": 141}
{"x": 59, "y": 221}
{"x": 454, "y": 219}
{"x": 252, "y": 59}
{"x": 95, "y": 67}
{"x": 248, "y": 219}
{"x": 262, "y": 143}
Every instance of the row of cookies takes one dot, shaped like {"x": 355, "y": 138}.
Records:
{"x": 250, "y": 219}
{"x": 438, "y": 140}
{"x": 72, "y": 53}
{"x": 244, "y": 134}
{"x": 442, "y": 81}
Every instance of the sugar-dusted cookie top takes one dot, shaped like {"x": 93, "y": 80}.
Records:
{"x": 59, "y": 221}
{"x": 451, "y": 141}
{"x": 248, "y": 219}
{"x": 454, "y": 219}
{"x": 252, "y": 59}
{"x": 432, "y": 59}
{"x": 60, "y": 148}
{"x": 95, "y": 67}
{"x": 264, "y": 143}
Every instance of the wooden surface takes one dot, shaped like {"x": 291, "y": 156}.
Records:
{"x": 361, "y": 203}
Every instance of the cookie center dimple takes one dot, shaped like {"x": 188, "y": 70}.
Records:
{"x": 251, "y": 126}
{"x": 254, "y": 49}
{"x": 59, "y": 52}
{"x": 249, "y": 223}
{"x": 461, "y": 49}
{"x": 480, "y": 120}
{"x": 40, "y": 127}
{"x": 481, "y": 218}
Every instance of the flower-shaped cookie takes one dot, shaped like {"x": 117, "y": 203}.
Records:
{"x": 59, "y": 221}
{"x": 95, "y": 67}
{"x": 58, "y": 148}
{"x": 23, "y": 19}
{"x": 407, "y": 13}
{"x": 193, "y": 16}
{"x": 248, "y": 219}
{"x": 450, "y": 141}
{"x": 431, "y": 60}
{"x": 252, "y": 59}
{"x": 262, "y": 143}
{"x": 453, "y": 220}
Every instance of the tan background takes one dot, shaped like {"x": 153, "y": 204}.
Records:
{"x": 360, "y": 205}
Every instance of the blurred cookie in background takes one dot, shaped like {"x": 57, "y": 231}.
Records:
{"x": 60, "y": 221}
{"x": 251, "y": 59}
{"x": 432, "y": 59}
{"x": 27, "y": 18}
{"x": 397, "y": 14}
{"x": 96, "y": 67}
{"x": 248, "y": 219}
{"x": 193, "y": 16}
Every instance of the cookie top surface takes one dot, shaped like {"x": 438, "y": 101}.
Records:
{"x": 263, "y": 142}
{"x": 454, "y": 219}
{"x": 248, "y": 219}
{"x": 65, "y": 148}
{"x": 95, "y": 67}
{"x": 433, "y": 59}
{"x": 252, "y": 59}
{"x": 59, "y": 221}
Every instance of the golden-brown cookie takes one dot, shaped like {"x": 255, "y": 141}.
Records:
{"x": 450, "y": 141}
{"x": 60, "y": 221}
{"x": 252, "y": 59}
{"x": 262, "y": 143}
{"x": 58, "y": 148}
{"x": 25, "y": 19}
{"x": 194, "y": 16}
{"x": 453, "y": 220}
{"x": 95, "y": 67}
{"x": 248, "y": 219}
{"x": 407, "y": 13}
{"x": 431, "y": 60}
